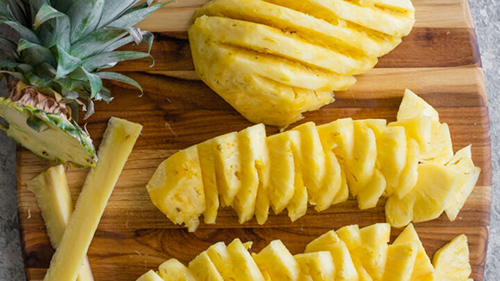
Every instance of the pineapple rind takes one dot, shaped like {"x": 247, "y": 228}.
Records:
{"x": 58, "y": 140}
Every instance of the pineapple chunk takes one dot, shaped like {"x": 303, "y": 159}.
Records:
{"x": 174, "y": 270}
{"x": 262, "y": 205}
{"x": 351, "y": 237}
{"x": 176, "y": 188}
{"x": 400, "y": 261}
{"x": 150, "y": 276}
{"x": 344, "y": 265}
{"x": 206, "y": 155}
{"x": 255, "y": 171}
{"x": 391, "y": 154}
{"x": 441, "y": 149}
{"x": 313, "y": 162}
{"x": 227, "y": 167}
{"x": 370, "y": 194}
{"x": 118, "y": 141}
{"x": 269, "y": 40}
{"x": 282, "y": 180}
{"x": 451, "y": 262}
{"x": 409, "y": 175}
{"x": 219, "y": 255}
{"x": 317, "y": 266}
{"x": 204, "y": 269}
{"x": 276, "y": 262}
{"x": 52, "y": 193}
{"x": 339, "y": 137}
{"x": 373, "y": 250}
{"x": 418, "y": 128}
{"x": 361, "y": 166}
{"x": 335, "y": 188}
{"x": 462, "y": 163}
{"x": 422, "y": 269}
{"x": 297, "y": 19}
{"x": 428, "y": 198}
{"x": 414, "y": 106}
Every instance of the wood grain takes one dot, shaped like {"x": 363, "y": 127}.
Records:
{"x": 439, "y": 60}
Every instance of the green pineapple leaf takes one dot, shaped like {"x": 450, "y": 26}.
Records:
{"x": 23, "y": 31}
{"x": 134, "y": 17}
{"x": 55, "y": 33}
{"x": 33, "y": 54}
{"x": 96, "y": 41}
{"x": 66, "y": 63}
{"x": 109, "y": 58}
{"x": 94, "y": 81}
{"x": 113, "y": 9}
{"x": 120, "y": 78}
{"x": 85, "y": 16}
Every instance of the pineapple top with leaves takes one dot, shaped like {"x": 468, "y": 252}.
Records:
{"x": 54, "y": 68}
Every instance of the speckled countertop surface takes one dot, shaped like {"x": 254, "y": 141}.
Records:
{"x": 486, "y": 15}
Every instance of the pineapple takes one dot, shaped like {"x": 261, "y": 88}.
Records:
{"x": 272, "y": 60}
{"x": 317, "y": 266}
{"x": 276, "y": 262}
{"x": 150, "y": 276}
{"x": 451, "y": 262}
{"x": 392, "y": 152}
{"x": 176, "y": 188}
{"x": 373, "y": 250}
{"x": 54, "y": 69}
{"x": 227, "y": 167}
{"x": 243, "y": 266}
{"x": 204, "y": 269}
{"x": 174, "y": 270}
{"x": 400, "y": 261}
{"x": 206, "y": 155}
{"x": 422, "y": 269}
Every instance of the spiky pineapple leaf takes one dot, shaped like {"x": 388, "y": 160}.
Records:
{"x": 85, "y": 16}
{"x": 113, "y": 9}
{"x": 147, "y": 38}
{"x": 120, "y": 78}
{"x": 66, "y": 63}
{"x": 33, "y": 53}
{"x": 94, "y": 81}
{"x": 95, "y": 62}
{"x": 35, "y": 5}
{"x": 16, "y": 75}
{"x": 17, "y": 12}
{"x": 132, "y": 18}
{"x": 8, "y": 47}
{"x": 61, "y": 5}
{"x": 23, "y": 31}
{"x": 96, "y": 41}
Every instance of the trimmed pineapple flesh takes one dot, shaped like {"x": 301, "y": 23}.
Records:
{"x": 49, "y": 136}
{"x": 311, "y": 45}
{"x": 321, "y": 165}
{"x": 150, "y": 276}
{"x": 451, "y": 262}
{"x": 328, "y": 258}
{"x": 118, "y": 141}
{"x": 52, "y": 193}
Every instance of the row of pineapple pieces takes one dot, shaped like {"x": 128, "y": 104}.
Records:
{"x": 348, "y": 254}
{"x": 410, "y": 161}
{"x": 272, "y": 60}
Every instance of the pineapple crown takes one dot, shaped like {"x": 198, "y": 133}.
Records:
{"x": 63, "y": 44}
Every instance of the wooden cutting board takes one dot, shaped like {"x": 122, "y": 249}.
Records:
{"x": 439, "y": 61}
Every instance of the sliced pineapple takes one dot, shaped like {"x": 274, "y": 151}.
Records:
{"x": 276, "y": 262}
{"x": 176, "y": 188}
{"x": 373, "y": 249}
{"x": 338, "y": 136}
{"x": 427, "y": 200}
{"x": 334, "y": 188}
{"x": 282, "y": 180}
{"x": 203, "y": 268}
{"x": 369, "y": 196}
{"x": 469, "y": 174}
{"x": 422, "y": 269}
{"x": 451, "y": 262}
{"x": 227, "y": 167}
{"x": 361, "y": 166}
{"x": 413, "y": 106}
{"x": 150, "y": 276}
{"x": 316, "y": 266}
{"x": 400, "y": 261}
{"x": 409, "y": 175}
{"x": 344, "y": 266}
{"x": 255, "y": 171}
{"x": 418, "y": 128}
{"x": 392, "y": 154}
{"x": 206, "y": 155}
{"x": 174, "y": 270}
{"x": 242, "y": 263}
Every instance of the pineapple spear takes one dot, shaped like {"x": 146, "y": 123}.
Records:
{"x": 54, "y": 69}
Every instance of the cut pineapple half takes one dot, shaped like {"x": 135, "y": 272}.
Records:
{"x": 176, "y": 188}
{"x": 451, "y": 262}
{"x": 276, "y": 263}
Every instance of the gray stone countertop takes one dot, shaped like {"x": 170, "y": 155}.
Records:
{"x": 486, "y": 15}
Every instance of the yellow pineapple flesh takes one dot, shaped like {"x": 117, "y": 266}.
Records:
{"x": 316, "y": 266}
{"x": 400, "y": 261}
{"x": 174, "y": 270}
{"x": 206, "y": 155}
{"x": 150, "y": 276}
{"x": 276, "y": 262}
{"x": 203, "y": 268}
{"x": 451, "y": 262}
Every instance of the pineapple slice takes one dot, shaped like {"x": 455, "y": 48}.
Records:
{"x": 150, "y": 276}
{"x": 255, "y": 171}
{"x": 227, "y": 167}
{"x": 174, "y": 270}
{"x": 335, "y": 188}
{"x": 206, "y": 155}
{"x": 400, "y": 261}
{"x": 414, "y": 106}
{"x": 361, "y": 166}
{"x": 176, "y": 188}
{"x": 409, "y": 175}
{"x": 418, "y": 128}
{"x": 351, "y": 237}
{"x": 270, "y": 40}
{"x": 204, "y": 269}
{"x": 276, "y": 262}
{"x": 118, "y": 141}
{"x": 219, "y": 256}
{"x": 52, "y": 193}
{"x": 317, "y": 266}
{"x": 370, "y": 194}
{"x": 297, "y": 19}
{"x": 451, "y": 262}
{"x": 427, "y": 200}
{"x": 338, "y": 136}
{"x": 392, "y": 154}
{"x": 313, "y": 163}
{"x": 344, "y": 266}
{"x": 373, "y": 250}
{"x": 282, "y": 180}
{"x": 422, "y": 269}
{"x": 262, "y": 205}
{"x": 462, "y": 163}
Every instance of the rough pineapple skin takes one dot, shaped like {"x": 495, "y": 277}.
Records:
{"x": 272, "y": 60}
